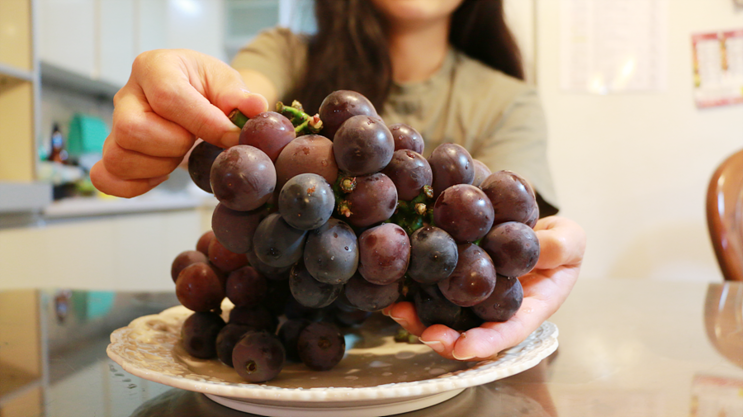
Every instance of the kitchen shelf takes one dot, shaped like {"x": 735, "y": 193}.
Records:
{"x": 8, "y": 71}
{"x": 84, "y": 207}
{"x": 54, "y": 76}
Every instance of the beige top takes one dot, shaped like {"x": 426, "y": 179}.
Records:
{"x": 497, "y": 118}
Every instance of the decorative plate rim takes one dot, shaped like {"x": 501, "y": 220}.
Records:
{"x": 158, "y": 328}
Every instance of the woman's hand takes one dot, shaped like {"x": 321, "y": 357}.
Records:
{"x": 562, "y": 244}
{"x": 172, "y": 97}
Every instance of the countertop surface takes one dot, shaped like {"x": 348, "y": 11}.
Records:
{"x": 626, "y": 348}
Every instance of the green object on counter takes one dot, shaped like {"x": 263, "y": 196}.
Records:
{"x": 87, "y": 134}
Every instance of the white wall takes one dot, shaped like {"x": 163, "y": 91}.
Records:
{"x": 633, "y": 168}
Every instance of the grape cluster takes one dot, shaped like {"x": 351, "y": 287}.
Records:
{"x": 324, "y": 219}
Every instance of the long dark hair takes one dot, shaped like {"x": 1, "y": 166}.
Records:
{"x": 350, "y": 50}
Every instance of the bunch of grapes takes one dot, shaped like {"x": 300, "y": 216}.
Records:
{"x": 324, "y": 219}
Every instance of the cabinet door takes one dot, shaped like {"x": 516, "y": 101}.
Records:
{"x": 152, "y": 25}
{"x": 67, "y": 34}
{"x": 116, "y": 47}
{"x": 197, "y": 25}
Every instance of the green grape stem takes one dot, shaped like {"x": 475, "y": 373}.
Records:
{"x": 303, "y": 123}
{"x": 238, "y": 118}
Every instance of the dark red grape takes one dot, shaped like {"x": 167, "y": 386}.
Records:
{"x": 276, "y": 243}
{"x": 306, "y": 201}
{"x": 481, "y": 172}
{"x": 348, "y": 316}
{"x": 199, "y": 288}
{"x": 258, "y": 357}
{"x": 235, "y": 229}
{"x": 467, "y": 320}
{"x": 243, "y": 177}
{"x": 406, "y": 137}
{"x": 224, "y": 259}
{"x": 259, "y": 318}
{"x": 277, "y": 295}
{"x": 410, "y": 172}
{"x": 269, "y": 132}
{"x": 464, "y": 212}
{"x": 310, "y": 292}
{"x": 370, "y": 297}
{"x": 514, "y": 248}
{"x": 185, "y": 259}
{"x": 504, "y": 302}
{"x": 533, "y": 217}
{"x": 363, "y": 145}
{"x": 200, "y": 164}
{"x": 433, "y": 308}
{"x": 451, "y": 165}
{"x": 289, "y": 336}
{"x": 308, "y": 153}
{"x": 199, "y": 334}
{"x": 473, "y": 279}
{"x": 373, "y": 201}
{"x": 331, "y": 254}
{"x": 339, "y": 106}
{"x": 227, "y": 339}
{"x": 203, "y": 243}
{"x": 321, "y": 346}
{"x": 296, "y": 311}
{"x": 268, "y": 271}
{"x": 246, "y": 287}
{"x": 384, "y": 253}
{"x": 512, "y": 197}
{"x": 433, "y": 255}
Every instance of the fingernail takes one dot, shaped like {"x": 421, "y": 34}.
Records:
{"x": 154, "y": 182}
{"x": 465, "y": 358}
{"x": 437, "y": 346}
{"x": 401, "y": 322}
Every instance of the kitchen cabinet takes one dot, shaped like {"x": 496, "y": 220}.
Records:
{"x": 18, "y": 91}
{"x": 67, "y": 35}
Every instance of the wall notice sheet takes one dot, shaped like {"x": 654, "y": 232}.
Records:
{"x": 612, "y": 46}
{"x": 718, "y": 68}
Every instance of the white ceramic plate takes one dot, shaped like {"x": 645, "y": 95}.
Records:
{"x": 376, "y": 377}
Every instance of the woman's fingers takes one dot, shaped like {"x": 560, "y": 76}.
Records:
{"x": 404, "y": 314}
{"x": 112, "y": 185}
{"x": 130, "y": 165}
{"x": 561, "y": 242}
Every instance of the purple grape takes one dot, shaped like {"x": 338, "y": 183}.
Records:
{"x": 289, "y": 336}
{"x": 270, "y": 272}
{"x": 373, "y": 201}
{"x": 199, "y": 334}
{"x": 410, "y": 172}
{"x": 277, "y": 295}
{"x": 504, "y": 302}
{"x": 339, "y": 106}
{"x": 200, "y": 162}
{"x": 512, "y": 197}
{"x": 514, "y": 248}
{"x": 310, "y": 292}
{"x": 224, "y": 259}
{"x": 202, "y": 245}
{"x": 185, "y": 259}
{"x": 384, "y": 253}
{"x": 269, "y": 132}
{"x": 276, "y": 243}
{"x": 306, "y": 201}
{"x": 481, "y": 172}
{"x": 227, "y": 339}
{"x": 258, "y": 357}
{"x": 451, "y": 165}
{"x": 433, "y": 255}
{"x": 306, "y": 154}
{"x": 348, "y": 316}
{"x": 243, "y": 178}
{"x": 321, "y": 346}
{"x": 433, "y": 308}
{"x": 331, "y": 254}
{"x": 235, "y": 229}
{"x": 258, "y": 318}
{"x": 199, "y": 288}
{"x": 406, "y": 137}
{"x": 370, "y": 297}
{"x": 246, "y": 287}
{"x": 463, "y": 211}
{"x": 363, "y": 145}
{"x": 473, "y": 280}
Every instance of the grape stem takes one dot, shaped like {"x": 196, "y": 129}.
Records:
{"x": 238, "y": 118}
{"x": 303, "y": 123}
{"x": 416, "y": 213}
